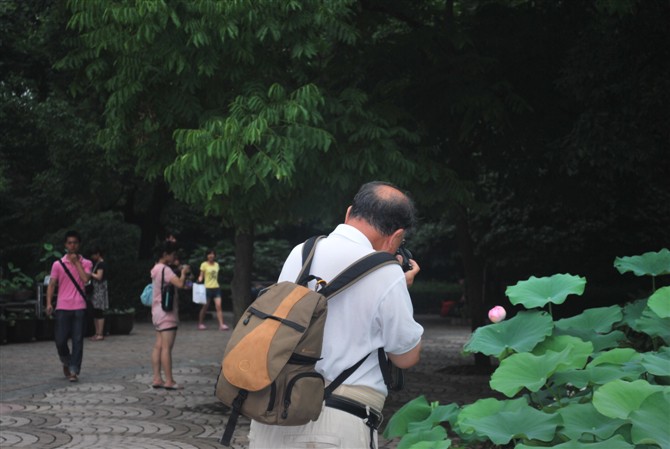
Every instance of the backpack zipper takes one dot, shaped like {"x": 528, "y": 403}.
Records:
{"x": 289, "y": 389}
{"x": 273, "y": 395}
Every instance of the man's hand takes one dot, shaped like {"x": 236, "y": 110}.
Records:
{"x": 49, "y": 309}
{"x": 410, "y": 274}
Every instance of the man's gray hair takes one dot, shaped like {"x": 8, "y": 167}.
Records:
{"x": 386, "y": 213}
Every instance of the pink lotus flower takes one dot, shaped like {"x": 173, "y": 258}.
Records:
{"x": 497, "y": 314}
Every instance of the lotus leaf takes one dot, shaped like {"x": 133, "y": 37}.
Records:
{"x": 651, "y": 263}
{"x": 580, "y": 350}
{"x": 652, "y": 325}
{"x": 526, "y": 370}
{"x": 415, "y": 410}
{"x": 580, "y": 419}
{"x": 657, "y": 363}
{"x": 434, "y": 435}
{"x": 438, "y": 415}
{"x": 617, "y": 356}
{"x": 526, "y": 422}
{"x": 538, "y": 292}
{"x": 650, "y": 421}
{"x": 486, "y": 407}
{"x": 521, "y": 333}
{"x": 616, "y": 442}
{"x": 617, "y": 399}
{"x": 599, "y": 341}
{"x": 444, "y": 444}
{"x": 659, "y": 302}
{"x": 599, "y": 319}
{"x": 633, "y": 311}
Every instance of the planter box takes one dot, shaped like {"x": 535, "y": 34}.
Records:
{"x": 22, "y": 331}
{"x": 3, "y": 332}
{"x": 121, "y": 324}
{"x": 44, "y": 329}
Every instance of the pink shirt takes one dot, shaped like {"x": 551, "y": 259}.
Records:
{"x": 69, "y": 297}
{"x": 161, "y": 319}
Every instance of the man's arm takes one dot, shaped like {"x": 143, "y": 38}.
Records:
{"x": 53, "y": 283}
{"x": 408, "y": 359}
{"x": 83, "y": 275}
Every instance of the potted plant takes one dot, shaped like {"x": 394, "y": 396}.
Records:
{"x": 45, "y": 328}
{"x": 21, "y": 326}
{"x": 17, "y": 285}
{"x": 121, "y": 321}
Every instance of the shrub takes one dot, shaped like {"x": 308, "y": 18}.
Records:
{"x": 596, "y": 380}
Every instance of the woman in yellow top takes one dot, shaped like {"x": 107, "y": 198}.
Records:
{"x": 209, "y": 273}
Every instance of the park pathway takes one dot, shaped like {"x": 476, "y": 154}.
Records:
{"x": 113, "y": 405}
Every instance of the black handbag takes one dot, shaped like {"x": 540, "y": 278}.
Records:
{"x": 167, "y": 294}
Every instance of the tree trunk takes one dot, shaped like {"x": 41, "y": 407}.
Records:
{"x": 241, "y": 283}
{"x": 474, "y": 280}
{"x": 148, "y": 220}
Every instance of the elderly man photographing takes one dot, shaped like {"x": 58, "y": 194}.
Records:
{"x": 375, "y": 312}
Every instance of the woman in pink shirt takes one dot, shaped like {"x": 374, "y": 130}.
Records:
{"x": 165, "y": 323}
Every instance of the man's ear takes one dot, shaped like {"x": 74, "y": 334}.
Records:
{"x": 346, "y": 216}
{"x": 392, "y": 242}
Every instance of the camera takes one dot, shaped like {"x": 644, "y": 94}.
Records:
{"x": 406, "y": 256}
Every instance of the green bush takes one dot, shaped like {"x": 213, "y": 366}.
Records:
{"x": 596, "y": 380}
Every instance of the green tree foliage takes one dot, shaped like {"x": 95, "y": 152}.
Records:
{"x": 254, "y": 95}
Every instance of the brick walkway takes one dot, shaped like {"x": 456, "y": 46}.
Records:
{"x": 113, "y": 405}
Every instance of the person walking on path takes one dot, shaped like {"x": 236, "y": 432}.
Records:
{"x": 100, "y": 297}
{"x": 209, "y": 273}
{"x": 375, "y": 312}
{"x": 165, "y": 322}
{"x": 69, "y": 275}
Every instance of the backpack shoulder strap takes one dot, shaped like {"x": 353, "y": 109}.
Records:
{"x": 308, "y": 250}
{"x": 357, "y": 270}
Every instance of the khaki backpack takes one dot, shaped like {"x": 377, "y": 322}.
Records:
{"x": 267, "y": 373}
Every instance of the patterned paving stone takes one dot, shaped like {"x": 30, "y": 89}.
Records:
{"x": 113, "y": 405}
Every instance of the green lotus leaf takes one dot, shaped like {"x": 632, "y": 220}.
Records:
{"x": 654, "y": 326}
{"x": 521, "y": 333}
{"x": 444, "y": 444}
{"x": 526, "y": 370}
{"x": 599, "y": 319}
{"x": 659, "y": 302}
{"x": 580, "y": 350}
{"x": 648, "y": 264}
{"x": 583, "y": 419}
{"x": 416, "y": 410}
{"x": 438, "y": 415}
{"x": 616, "y": 442}
{"x": 577, "y": 378}
{"x": 617, "y": 399}
{"x": 526, "y": 422}
{"x": 598, "y": 375}
{"x": 650, "y": 421}
{"x": 537, "y": 292}
{"x": 599, "y": 341}
{"x": 633, "y": 311}
{"x": 657, "y": 363}
{"x": 483, "y": 408}
{"x": 436, "y": 434}
{"x": 617, "y": 356}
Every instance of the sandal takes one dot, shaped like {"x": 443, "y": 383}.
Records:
{"x": 97, "y": 338}
{"x": 173, "y": 387}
